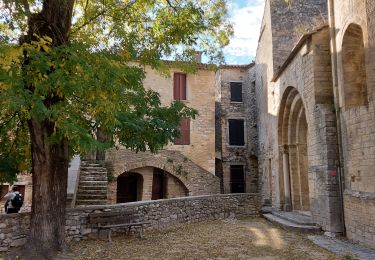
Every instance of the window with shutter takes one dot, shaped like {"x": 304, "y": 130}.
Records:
{"x": 236, "y": 92}
{"x": 184, "y": 139}
{"x": 236, "y": 132}
{"x": 179, "y": 86}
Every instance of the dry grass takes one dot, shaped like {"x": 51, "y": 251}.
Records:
{"x": 250, "y": 238}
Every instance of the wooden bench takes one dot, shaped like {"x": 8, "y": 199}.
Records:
{"x": 110, "y": 220}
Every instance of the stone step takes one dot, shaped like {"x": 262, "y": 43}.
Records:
{"x": 291, "y": 226}
{"x": 91, "y": 202}
{"x": 93, "y": 191}
{"x": 294, "y": 217}
{"x": 92, "y": 188}
{"x": 90, "y": 168}
{"x": 93, "y": 178}
{"x": 93, "y": 183}
{"x": 83, "y": 196}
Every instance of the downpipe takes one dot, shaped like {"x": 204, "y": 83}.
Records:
{"x": 334, "y": 61}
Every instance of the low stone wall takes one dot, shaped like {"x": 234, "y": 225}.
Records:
{"x": 360, "y": 217}
{"x": 161, "y": 213}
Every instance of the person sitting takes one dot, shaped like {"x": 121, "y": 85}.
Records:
{"x": 14, "y": 201}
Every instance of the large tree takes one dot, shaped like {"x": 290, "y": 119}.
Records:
{"x": 71, "y": 67}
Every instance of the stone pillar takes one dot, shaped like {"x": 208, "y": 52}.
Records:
{"x": 286, "y": 172}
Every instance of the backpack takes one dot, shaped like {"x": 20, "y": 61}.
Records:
{"x": 17, "y": 200}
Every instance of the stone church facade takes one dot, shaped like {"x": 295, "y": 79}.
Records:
{"x": 315, "y": 98}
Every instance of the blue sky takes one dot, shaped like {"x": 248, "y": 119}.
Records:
{"x": 246, "y": 17}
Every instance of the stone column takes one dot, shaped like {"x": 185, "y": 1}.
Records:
{"x": 285, "y": 153}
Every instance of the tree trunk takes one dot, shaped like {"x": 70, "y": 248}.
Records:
{"x": 49, "y": 175}
{"x": 49, "y": 160}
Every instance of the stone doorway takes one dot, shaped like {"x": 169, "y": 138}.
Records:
{"x": 129, "y": 187}
{"x": 159, "y": 181}
{"x": 293, "y": 157}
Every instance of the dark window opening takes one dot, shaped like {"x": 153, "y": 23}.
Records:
{"x": 236, "y": 132}
{"x": 236, "y": 92}
{"x": 184, "y": 139}
{"x": 179, "y": 86}
{"x": 237, "y": 179}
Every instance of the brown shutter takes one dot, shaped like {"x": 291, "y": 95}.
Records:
{"x": 179, "y": 86}
{"x": 182, "y": 87}
{"x": 176, "y": 86}
{"x": 184, "y": 139}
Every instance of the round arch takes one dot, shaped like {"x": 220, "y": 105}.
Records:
{"x": 293, "y": 159}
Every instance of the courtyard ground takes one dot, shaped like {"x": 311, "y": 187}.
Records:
{"x": 250, "y": 238}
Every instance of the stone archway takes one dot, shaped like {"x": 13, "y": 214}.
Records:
{"x": 293, "y": 159}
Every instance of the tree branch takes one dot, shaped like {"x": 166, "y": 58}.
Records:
{"x": 26, "y": 6}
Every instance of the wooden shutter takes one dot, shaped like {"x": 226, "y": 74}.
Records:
{"x": 184, "y": 139}
{"x": 179, "y": 86}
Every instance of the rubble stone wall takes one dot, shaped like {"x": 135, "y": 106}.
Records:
{"x": 160, "y": 213}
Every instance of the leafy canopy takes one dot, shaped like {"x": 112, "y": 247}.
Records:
{"x": 90, "y": 83}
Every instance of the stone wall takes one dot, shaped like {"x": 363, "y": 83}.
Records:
{"x": 161, "y": 214}
{"x": 246, "y": 155}
{"x": 358, "y": 122}
{"x": 289, "y": 22}
{"x": 200, "y": 88}
{"x": 359, "y": 217}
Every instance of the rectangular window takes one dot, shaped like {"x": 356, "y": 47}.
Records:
{"x": 236, "y": 132}
{"x": 236, "y": 92}
{"x": 237, "y": 179}
{"x": 184, "y": 139}
{"x": 179, "y": 86}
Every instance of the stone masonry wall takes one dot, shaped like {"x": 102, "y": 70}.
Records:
{"x": 197, "y": 180}
{"x": 200, "y": 89}
{"x": 289, "y": 22}
{"x": 161, "y": 213}
{"x": 246, "y": 155}
{"x": 359, "y": 217}
{"x": 358, "y": 125}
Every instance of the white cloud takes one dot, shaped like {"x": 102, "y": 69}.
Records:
{"x": 246, "y": 16}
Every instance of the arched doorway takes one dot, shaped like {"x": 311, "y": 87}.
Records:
{"x": 129, "y": 187}
{"x": 293, "y": 160}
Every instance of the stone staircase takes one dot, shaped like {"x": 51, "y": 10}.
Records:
{"x": 92, "y": 187}
{"x": 292, "y": 221}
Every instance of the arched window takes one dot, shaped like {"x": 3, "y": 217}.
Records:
{"x": 354, "y": 69}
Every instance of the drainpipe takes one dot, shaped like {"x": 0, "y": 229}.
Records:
{"x": 334, "y": 61}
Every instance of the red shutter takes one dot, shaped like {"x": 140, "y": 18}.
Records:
{"x": 176, "y": 86}
{"x": 184, "y": 139}
{"x": 179, "y": 86}
{"x": 182, "y": 87}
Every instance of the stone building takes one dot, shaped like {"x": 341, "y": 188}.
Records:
{"x": 183, "y": 168}
{"x": 314, "y": 94}
{"x": 236, "y": 129}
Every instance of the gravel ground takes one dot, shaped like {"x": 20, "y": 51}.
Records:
{"x": 250, "y": 238}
